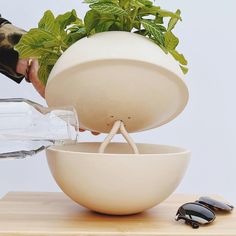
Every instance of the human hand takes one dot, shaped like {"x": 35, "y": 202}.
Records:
{"x": 29, "y": 68}
{"x": 93, "y": 132}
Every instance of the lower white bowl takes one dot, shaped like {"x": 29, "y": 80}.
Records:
{"x": 117, "y": 182}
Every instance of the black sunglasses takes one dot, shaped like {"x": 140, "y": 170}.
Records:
{"x": 201, "y": 211}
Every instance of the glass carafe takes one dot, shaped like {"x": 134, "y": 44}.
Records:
{"x": 27, "y": 128}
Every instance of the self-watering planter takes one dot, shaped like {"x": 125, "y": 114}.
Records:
{"x": 118, "y": 89}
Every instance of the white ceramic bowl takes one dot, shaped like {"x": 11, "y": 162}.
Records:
{"x": 117, "y": 182}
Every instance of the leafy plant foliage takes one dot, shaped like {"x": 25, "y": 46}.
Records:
{"x": 55, "y": 34}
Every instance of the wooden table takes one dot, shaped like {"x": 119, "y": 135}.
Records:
{"x": 55, "y": 214}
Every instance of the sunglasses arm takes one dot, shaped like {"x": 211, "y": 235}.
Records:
{"x": 194, "y": 224}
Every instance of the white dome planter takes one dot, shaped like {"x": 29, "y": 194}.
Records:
{"x": 135, "y": 84}
{"x": 106, "y": 82}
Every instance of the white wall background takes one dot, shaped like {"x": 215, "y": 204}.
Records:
{"x": 207, "y": 126}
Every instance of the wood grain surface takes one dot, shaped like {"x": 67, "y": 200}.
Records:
{"x": 55, "y": 214}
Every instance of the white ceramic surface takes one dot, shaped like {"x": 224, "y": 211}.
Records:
{"x": 118, "y": 76}
{"x": 117, "y": 182}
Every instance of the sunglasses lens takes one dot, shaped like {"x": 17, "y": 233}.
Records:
{"x": 216, "y": 205}
{"x": 195, "y": 213}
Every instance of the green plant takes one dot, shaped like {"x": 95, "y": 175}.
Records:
{"x": 55, "y": 34}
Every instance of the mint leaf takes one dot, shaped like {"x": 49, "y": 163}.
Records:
{"x": 104, "y": 26}
{"x": 137, "y": 4}
{"x": 116, "y": 27}
{"x": 159, "y": 19}
{"x": 146, "y": 2}
{"x": 153, "y": 29}
{"x": 108, "y": 8}
{"x": 184, "y": 69}
{"x": 68, "y": 18}
{"x": 49, "y": 43}
{"x": 165, "y": 13}
{"x": 173, "y": 21}
{"x": 171, "y": 41}
{"x": 137, "y": 25}
{"x": 43, "y": 73}
{"x": 32, "y": 43}
{"x": 98, "y": 1}
{"x": 91, "y": 1}
{"x": 153, "y": 10}
{"x": 75, "y": 35}
{"x": 141, "y": 32}
{"x": 160, "y": 27}
{"x": 91, "y": 19}
{"x": 47, "y": 22}
{"x": 46, "y": 63}
{"x": 179, "y": 57}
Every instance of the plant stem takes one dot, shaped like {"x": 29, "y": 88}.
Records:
{"x": 135, "y": 12}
